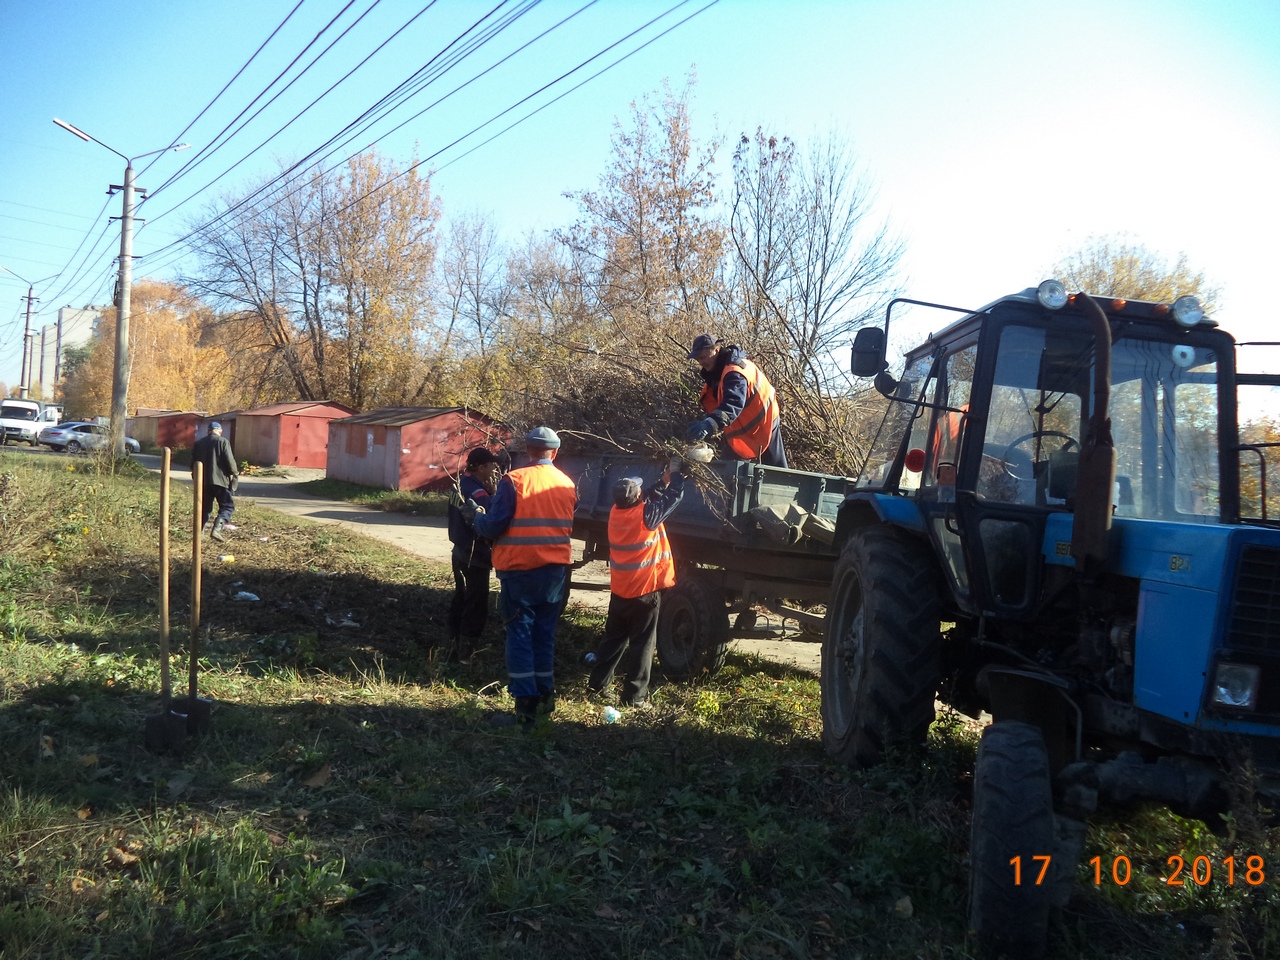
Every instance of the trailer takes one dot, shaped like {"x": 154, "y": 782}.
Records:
{"x": 744, "y": 536}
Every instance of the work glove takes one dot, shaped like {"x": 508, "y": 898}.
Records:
{"x": 469, "y": 510}
{"x": 699, "y": 429}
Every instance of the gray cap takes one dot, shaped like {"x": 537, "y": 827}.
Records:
{"x": 703, "y": 341}
{"x": 626, "y": 491}
{"x": 543, "y": 437}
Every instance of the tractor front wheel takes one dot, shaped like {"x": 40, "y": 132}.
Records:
{"x": 881, "y": 650}
{"x": 1009, "y": 893}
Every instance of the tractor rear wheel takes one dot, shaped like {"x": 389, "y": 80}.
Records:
{"x": 693, "y": 628}
{"x": 1013, "y": 823}
{"x": 881, "y": 652}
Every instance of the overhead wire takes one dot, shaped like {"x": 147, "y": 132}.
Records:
{"x": 391, "y": 95}
{"x": 541, "y": 89}
{"x": 213, "y": 143}
{"x": 227, "y": 86}
{"x": 188, "y": 168}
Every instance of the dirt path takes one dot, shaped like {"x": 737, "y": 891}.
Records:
{"x": 428, "y": 537}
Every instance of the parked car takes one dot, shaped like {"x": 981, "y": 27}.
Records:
{"x": 74, "y": 436}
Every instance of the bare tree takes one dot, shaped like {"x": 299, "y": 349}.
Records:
{"x": 812, "y": 264}
{"x": 332, "y": 275}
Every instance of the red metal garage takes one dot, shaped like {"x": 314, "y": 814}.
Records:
{"x": 164, "y": 428}
{"x": 408, "y": 448}
{"x": 287, "y": 434}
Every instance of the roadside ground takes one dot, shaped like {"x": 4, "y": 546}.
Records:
{"x": 427, "y": 537}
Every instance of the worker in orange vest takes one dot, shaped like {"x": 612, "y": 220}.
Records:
{"x": 640, "y": 569}
{"x": 739, "y": 402}
{"x": 529, "y": 520}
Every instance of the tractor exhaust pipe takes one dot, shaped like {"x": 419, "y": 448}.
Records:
{"x": 1096, "y": 476}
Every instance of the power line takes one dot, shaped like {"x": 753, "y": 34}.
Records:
{"x": 262, "y": 46}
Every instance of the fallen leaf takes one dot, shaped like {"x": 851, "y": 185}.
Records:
{"x": 608, "y": 912}
{"x": 319, "y": 778}
{"x": 85, "y": 812}
{"x": 121, "y": 858}
{"x": 89, "y": 759}
{"x": 903, "y": 907}
{"x": 179, "y": 783}
{"x": 46, "y": 747}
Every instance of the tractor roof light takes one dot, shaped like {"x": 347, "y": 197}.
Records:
{"x": 1052, "y": 294}
{"x": 1187, "y": 311}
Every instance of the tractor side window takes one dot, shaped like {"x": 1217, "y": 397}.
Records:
{"x": 1260, "y": 460}
{"x": 903, "y": 415}
{"x": 1164, "y": 421}
{"x": 945, "y": 448}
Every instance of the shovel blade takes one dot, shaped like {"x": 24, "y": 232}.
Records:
{"x": 198, "y": 711}
{"x": 165, "y": 732}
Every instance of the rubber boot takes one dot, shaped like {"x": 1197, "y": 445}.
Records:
{"x": 547, "y": 701}
{"x": 524, "y": 717}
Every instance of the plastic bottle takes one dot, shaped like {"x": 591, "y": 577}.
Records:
{"x": 589, "y": 659}
{"x": 226, "y": 558}
{"x": 611, "y": 715}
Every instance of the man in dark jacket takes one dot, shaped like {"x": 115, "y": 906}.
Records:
{"x": 220, "y": 477}
{"x": 472, "y": 554}
{"x": 738, "y": 402}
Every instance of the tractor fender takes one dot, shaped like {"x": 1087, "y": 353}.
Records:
{"x": 865, "y": 509}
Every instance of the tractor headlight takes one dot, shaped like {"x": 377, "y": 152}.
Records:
{"x": 1187, "y": 311}
{"x": 1052, "y": 294}
{"x": 1235, "y": 685}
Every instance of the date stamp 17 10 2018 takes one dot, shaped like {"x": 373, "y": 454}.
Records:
{"x": 1180, "y": 871}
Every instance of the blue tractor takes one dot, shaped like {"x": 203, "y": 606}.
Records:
{"x": 1063, "y": 522}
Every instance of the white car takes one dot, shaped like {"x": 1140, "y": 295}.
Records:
{"x": 74, "y": 436}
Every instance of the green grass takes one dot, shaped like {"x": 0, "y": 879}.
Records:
{"x": 392, "y": 501}
{"x": 350, "y": 799}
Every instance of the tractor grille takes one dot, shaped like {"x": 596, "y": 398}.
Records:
{"x": 1255, "y": 608}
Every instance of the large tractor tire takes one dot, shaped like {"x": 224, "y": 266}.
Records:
{"x": 881, "y": 653}
{"x": 693, "y": 629}
{"x": 1012, "y": 818}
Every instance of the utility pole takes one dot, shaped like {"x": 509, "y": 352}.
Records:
{"x": 120, "y": 377}
{"x": 24, "y": 381}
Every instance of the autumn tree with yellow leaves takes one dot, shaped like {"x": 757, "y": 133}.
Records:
{"x": 172, "y": 363}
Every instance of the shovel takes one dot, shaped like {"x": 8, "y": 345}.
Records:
{"x": 197, "y": 710}
{"x": 166, "y": 731}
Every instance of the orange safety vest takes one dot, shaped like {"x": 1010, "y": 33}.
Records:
{"x": 749, "y": 435}
{"x": 639, "y": 558}
{"x": 539, "y": 530}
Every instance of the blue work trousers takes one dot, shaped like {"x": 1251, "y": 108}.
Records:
{"x": 532, "y": 601}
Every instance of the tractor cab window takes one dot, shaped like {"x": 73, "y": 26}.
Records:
{"x": 905, "y": 414}
{"x": 1258, "y": 409}
{"x": 1164, "y": 420}
{"x": 1034, "y": 416}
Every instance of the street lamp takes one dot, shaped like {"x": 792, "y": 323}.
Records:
{"x": 24, "y": 376}
{"x": 120, "y": 379}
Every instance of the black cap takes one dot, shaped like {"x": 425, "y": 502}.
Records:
{"x": 480, "y": 456}
{"x": 702, "y": 341}
{"x": 626, "y": 491}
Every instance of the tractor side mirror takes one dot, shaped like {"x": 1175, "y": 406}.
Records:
{"x": 868, "y": 352}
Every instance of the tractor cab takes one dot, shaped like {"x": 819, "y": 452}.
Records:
{"x": 985, "y": 431}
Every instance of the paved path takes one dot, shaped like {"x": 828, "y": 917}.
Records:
{"x": 428, "y": 537}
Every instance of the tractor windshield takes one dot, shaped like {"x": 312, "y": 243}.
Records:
{"x": 1164, "y": 421}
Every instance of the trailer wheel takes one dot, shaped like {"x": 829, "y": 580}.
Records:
{"x": 881, "y": 652}
{"x": 1012, "y": 817}
{"x": 693, "y": 629}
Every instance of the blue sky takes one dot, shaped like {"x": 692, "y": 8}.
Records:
{"x": 1000, "y": 135}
